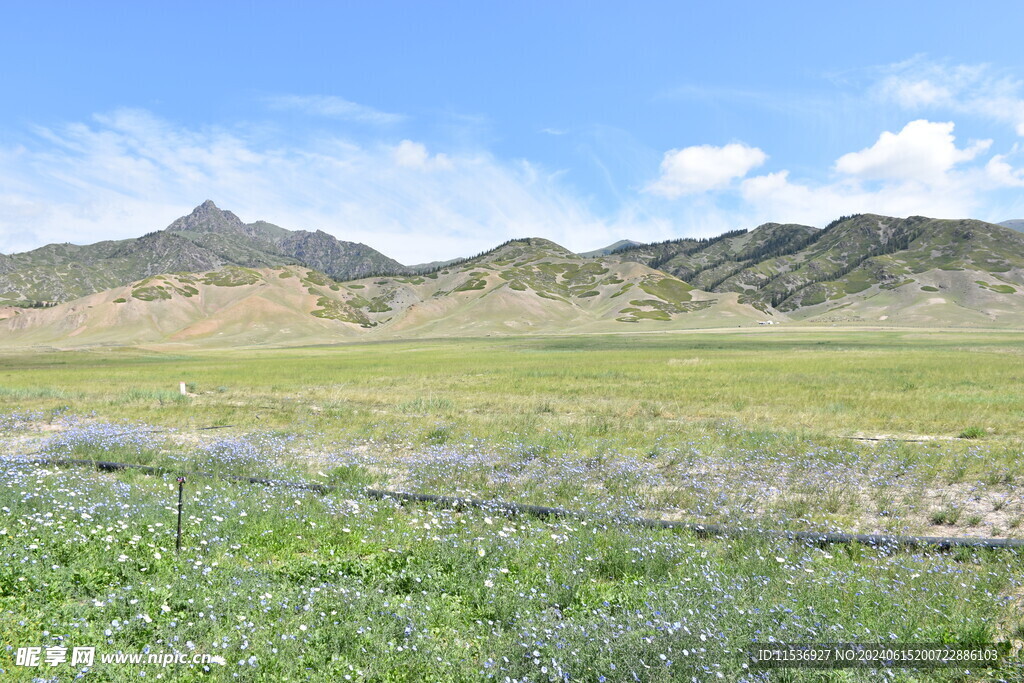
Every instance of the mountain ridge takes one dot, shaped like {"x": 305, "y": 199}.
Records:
{"x": 205, "y": 239}
{"x": 521, "y": 286}
{"x": 610, "y": 249}
{"x": 792, "y": 267}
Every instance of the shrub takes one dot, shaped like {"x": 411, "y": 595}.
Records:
{"x": 947, "y": 515}
{"x": 972, "y": 433}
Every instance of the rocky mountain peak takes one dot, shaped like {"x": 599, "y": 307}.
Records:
{"x": 207, "y": 217}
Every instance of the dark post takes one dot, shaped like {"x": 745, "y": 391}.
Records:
{"x": 181, "y": 488}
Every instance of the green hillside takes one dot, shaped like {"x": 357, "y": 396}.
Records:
{"x": 532, "y": 285}
{"x": 523, "y": 286}
{"x": 206, "y": 239}
{"x": 805, "y": 271}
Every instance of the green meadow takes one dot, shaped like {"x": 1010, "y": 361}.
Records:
{"x": 630, "y": 389}
{"x": 902, "y": 432}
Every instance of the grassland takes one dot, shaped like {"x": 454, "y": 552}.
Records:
{"x": 631, "y": 389}
{"x": 909, "y": 432}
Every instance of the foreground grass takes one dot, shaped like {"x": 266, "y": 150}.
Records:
{"x": 285, "y": 585}
{"x": 725, "y": 475}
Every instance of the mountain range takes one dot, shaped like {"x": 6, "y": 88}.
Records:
{"x": 805, "y": 271}
{"x": 210, "y": 278}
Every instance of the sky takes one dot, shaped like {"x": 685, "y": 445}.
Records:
{"x": 433, "y": 130}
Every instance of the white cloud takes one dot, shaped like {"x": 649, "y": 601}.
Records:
{"x": 914, "y": 93}
{"x": 414, "y": 155}
{"x": 127, "y": 173}
{"x": 1002, "y": 173}
{"x": 411, "y": 154}
{"x": 923, "y": 151}
{"x": 701, "y": 168}
{"x": 977, "y": 90}
{"x": 333, "y": 107}
{"x": 775, "y": 197}
{"x": 918, "y": 170}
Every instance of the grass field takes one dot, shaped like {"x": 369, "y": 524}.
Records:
{"x": 752, "y": 430}
{"x": 807, "y": 381}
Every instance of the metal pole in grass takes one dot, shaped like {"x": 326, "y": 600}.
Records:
{"x": 181, "y": 489}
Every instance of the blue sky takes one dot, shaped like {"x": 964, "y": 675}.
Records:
{"x": 431, "y": 130}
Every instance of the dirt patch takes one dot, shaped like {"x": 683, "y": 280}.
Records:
{"x": 912, "y": 438}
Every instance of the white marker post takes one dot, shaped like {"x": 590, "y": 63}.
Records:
{"x": 181, "y": 387}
